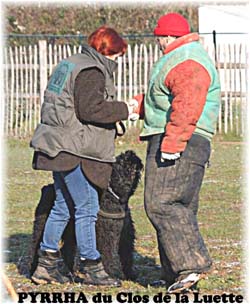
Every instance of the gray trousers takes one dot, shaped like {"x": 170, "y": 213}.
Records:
{"x": 171, "y": 199}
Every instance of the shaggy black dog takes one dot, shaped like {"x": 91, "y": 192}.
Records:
{"x": 114, "y": 228}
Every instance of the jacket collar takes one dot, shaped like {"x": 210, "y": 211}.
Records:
{"x": 109, "y": 64}
{"x": 181, "y": 41}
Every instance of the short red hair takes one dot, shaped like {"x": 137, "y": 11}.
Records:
{"x": 107, "y": 41}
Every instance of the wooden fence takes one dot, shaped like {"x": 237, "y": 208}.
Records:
{"x": 27, "y": 68}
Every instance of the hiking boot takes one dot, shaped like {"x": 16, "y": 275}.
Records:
{"x": 185, "y": 283}
{"x": 47, "y": 270}
{"x": 92, "y": 273}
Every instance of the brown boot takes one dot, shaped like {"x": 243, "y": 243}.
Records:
{"x": 47, "y": 270}
{"x": 92, "y": 273}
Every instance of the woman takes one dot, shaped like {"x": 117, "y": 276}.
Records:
{"x": 75, "y": 140}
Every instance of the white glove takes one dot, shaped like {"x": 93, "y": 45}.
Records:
{"x": 169, "y": 156}
{"x": 132, "y": 105}
{"x": 133, "y": 116}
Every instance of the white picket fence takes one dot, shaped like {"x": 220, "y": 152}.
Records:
{"x": 27, "y": 68}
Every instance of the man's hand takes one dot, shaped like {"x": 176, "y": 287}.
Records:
{"x": 132, "y": 107}
{"x": 169, "y": 156}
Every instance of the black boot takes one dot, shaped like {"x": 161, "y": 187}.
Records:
{"x": 47, "y": 270}
{"x": 92, "y": 273}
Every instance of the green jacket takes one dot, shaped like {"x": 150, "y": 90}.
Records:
{"x": 158, "y": 98}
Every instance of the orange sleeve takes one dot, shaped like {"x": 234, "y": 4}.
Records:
{"x": 188, "y": 82}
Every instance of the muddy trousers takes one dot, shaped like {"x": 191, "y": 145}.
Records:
{"x": 171, "y": 202}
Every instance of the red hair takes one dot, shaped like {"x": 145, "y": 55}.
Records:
{"x": 107, "y": 41}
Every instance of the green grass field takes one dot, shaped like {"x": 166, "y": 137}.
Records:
{"x": 221, "y": 219}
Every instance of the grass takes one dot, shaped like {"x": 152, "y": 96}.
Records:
{"x": 220, "y": 218}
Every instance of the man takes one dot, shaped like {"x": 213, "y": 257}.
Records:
{"x": 180, "y": 111}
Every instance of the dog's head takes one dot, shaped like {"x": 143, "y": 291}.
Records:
{"x": 126, "y": 174}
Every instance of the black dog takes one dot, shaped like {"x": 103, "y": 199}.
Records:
{"x": 115, "y": 231}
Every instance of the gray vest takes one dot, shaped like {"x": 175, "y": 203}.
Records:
{"x": 60, "y": 130}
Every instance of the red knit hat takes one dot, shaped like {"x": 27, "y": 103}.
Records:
{"x": 172, "y": 24}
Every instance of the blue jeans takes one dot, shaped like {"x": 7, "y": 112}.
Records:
{"x": 72, "y": 187}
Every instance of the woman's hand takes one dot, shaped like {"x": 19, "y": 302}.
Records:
{"x": 133, "y": 109}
